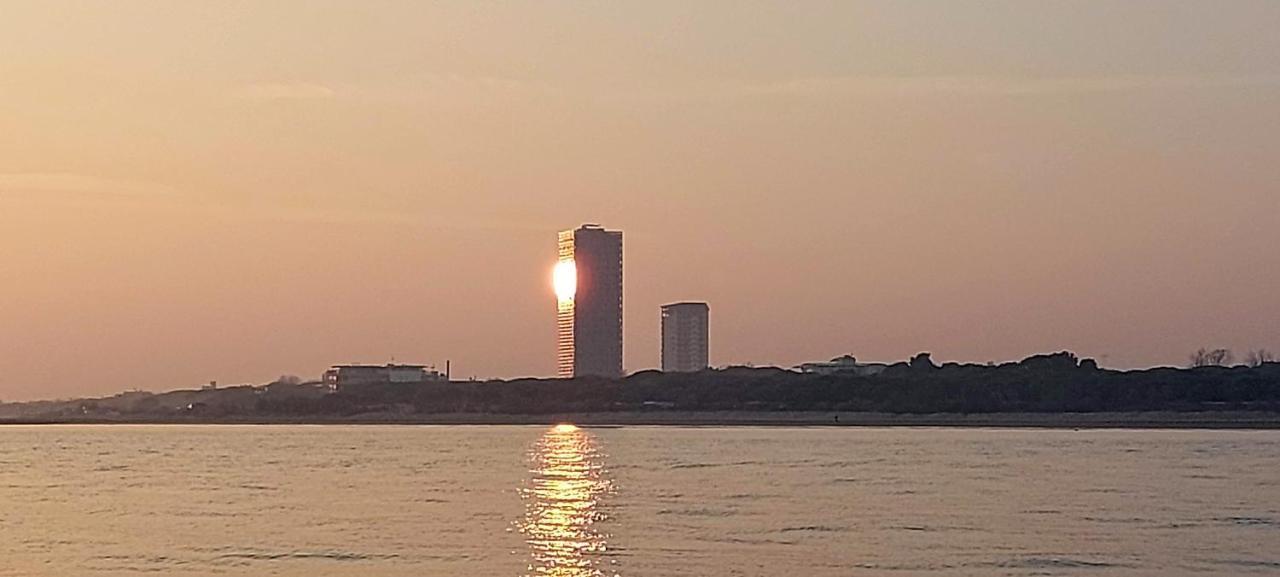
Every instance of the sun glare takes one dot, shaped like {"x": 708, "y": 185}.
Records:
{"x": 565, "y": 279}
{"x": 565, "y": 428}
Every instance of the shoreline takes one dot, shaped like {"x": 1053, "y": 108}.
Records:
{"x": 1145, "y": 420}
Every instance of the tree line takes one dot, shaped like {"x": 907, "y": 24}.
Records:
{"x": 1045, "y": 383}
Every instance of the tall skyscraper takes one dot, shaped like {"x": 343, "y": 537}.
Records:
{"x": 685, "y": 337}
{"x": 588, "y": 282}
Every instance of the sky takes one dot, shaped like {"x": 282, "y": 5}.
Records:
{"x": 232, "y": 191}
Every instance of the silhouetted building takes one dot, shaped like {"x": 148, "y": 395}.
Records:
{"x": 685, "y": 337}
{"x": 845, "y": 365}
{"x": 588, "y": 280}
{"x": 342, "y": 376}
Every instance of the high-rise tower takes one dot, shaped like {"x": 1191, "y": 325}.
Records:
{"x": 685, "y": 336}
{"x": 588, "y": 282}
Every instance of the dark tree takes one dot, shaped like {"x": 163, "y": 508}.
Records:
{"x": 1259, "y": 357}
{"x": 1211, "y": 358}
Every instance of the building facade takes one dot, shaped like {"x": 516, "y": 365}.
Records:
{"x": 344, "y": 376}
{"x": 685, "y": 337}
{"x": 845, "y": 365}
{"x": 588, "y": 281}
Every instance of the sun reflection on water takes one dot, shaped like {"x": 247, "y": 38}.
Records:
{"x": 562, "y": 506}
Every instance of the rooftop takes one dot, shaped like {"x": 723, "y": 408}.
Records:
{"x": 386, "y": 366}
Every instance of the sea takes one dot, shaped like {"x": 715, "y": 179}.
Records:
{"x": 565, "y": 501}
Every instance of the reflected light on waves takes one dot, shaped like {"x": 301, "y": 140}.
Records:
{"x": 562, "y": 505}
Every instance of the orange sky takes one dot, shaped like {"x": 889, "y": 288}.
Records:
{"x": 236, "y": 190}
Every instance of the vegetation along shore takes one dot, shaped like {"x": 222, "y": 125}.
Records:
{"x": 1055, "y": 390}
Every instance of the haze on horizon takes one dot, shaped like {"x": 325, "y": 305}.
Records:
{"x": 236, "y": 190}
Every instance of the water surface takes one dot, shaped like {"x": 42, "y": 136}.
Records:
{"x": 635, "y": 502}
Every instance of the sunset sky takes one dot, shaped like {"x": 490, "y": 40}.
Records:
{"x": 193, "y": 191}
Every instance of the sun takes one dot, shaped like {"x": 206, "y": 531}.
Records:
{"x": 565, "y": 279}
{"x": 564, "y": 428}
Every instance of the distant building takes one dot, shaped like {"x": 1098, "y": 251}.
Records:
{"x": 685, "y": 337}
{"x": 588, "y": 279}
{"x": 342, "y": 376}
{"x": 845, "y": 365}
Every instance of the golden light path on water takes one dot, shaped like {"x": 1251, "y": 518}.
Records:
{"x": 562, "y": 506}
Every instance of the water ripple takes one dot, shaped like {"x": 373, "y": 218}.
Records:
{"x": 562, "y": 506}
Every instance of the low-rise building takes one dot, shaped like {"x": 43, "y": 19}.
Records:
{"x": 844, "y": 365}
{"x": 342, "y": 376}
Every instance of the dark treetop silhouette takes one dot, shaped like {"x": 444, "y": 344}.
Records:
{"x": 1055, "y": 383}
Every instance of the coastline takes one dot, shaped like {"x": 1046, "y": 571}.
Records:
{"x": 1241, "y": 420}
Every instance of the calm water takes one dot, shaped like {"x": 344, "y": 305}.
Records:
{"x": 635, "y": 502}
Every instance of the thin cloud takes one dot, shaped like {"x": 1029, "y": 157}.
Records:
{"x": 1000, "y": 85}
{"x": 77, "y": 184}
{"x": 272, "y": 91}
{"x": 405, "y": 218}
